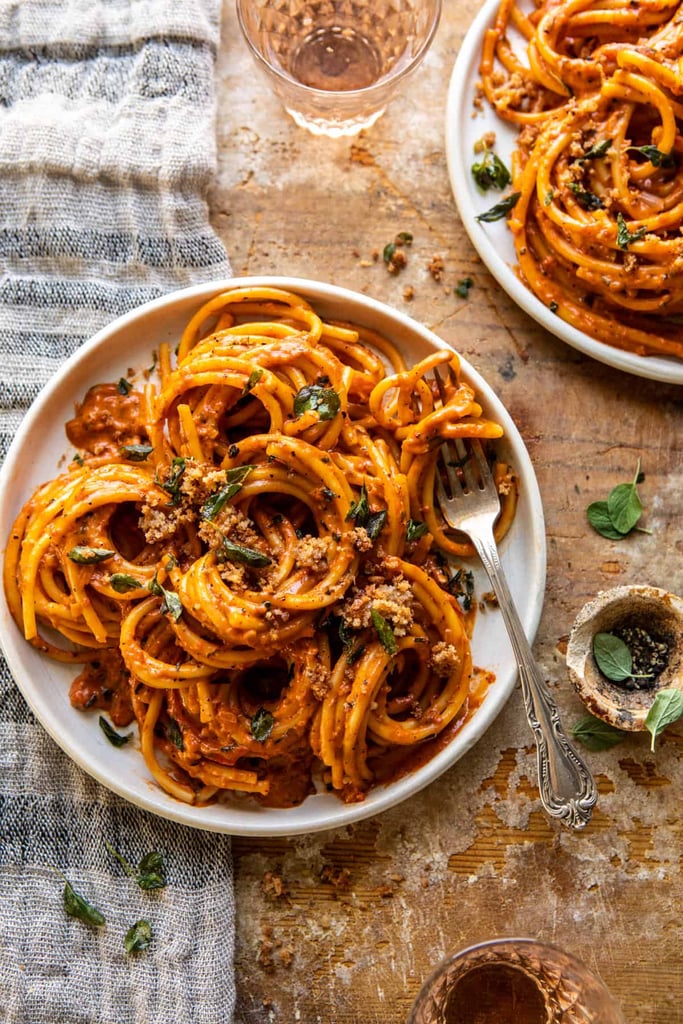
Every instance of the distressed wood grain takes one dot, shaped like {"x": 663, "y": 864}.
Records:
{"x": 342, "y": 927}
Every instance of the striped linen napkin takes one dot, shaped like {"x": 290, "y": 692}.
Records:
{"x": 106, "y": 152}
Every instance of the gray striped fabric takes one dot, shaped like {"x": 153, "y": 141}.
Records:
{"x": 106, "y": 153}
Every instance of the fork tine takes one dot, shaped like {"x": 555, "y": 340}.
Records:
{"x": 484, "y": 469}
{"x": 449, "y": 464}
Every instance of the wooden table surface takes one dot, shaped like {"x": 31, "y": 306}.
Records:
{"x": 341, "y": 927}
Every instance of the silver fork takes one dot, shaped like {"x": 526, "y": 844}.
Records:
{"x": 566, "y": 786}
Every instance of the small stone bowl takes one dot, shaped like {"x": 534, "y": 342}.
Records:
{"x": 656, "y": 611}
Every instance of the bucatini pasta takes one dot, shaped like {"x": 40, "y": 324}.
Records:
{"x": 597, "y": 176}
{"x": 245, "y": 555}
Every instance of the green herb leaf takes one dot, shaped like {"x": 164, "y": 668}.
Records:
{"x": 415, "y": 529}
{"x": 315, "y": 398}
{"x": 375, "y": 523}
{"x": 461, "y": 586}
{"x": 587, "y": 200}
{"x": 229, "y": 551}
{"x": 138, "y": 937}
{"x": 548, "y": 197}
{"x": 462, "y": 288}
{"x": 89, "y": 556}
{"x": 262, "y": 725}
{"x": 254, "y": 378}
{"x": 77, "y": 906}
{"x": 124, "y": 386}
{"x": 598, "y": 516}
{"x": 656, "y": 157}
{"x": 612, "y": 657}
{"x": 624, "y": 236}
{"x": 500, "y": 210}
{"x": 136, "y": 452}
{"x": 595, "y": 734}
{"x": 360, "y": 510}
{"x": 174, "y": 734}
{"x": 171, "y": 603}
{"x": 120, "y": 858}
{"x": 600, "y": 149}
{"x": 667, "y": 707}
{"x": 121, "y": 582}
{"x": 624, "y": 505}
{"x": 384, "y": 632}
{"x": 491, "y": 172}
{"x": 172, "y": 483}
{"x": 216, "y": 502}
{"x": 115, "y": 738}
{"x": 151, "y": 872}
{"x": 389, "y": 252}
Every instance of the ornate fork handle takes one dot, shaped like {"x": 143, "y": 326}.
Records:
{"x": 566, "y": 786}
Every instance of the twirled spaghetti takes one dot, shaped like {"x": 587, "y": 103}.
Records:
{"x": 246, "y": 556}
{"x": 598, "y": 168}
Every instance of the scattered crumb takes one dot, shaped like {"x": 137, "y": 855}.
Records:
{"x": 409, "y": 293}
{"x": 435, "y": 267}
{"x": 274, "y": 886}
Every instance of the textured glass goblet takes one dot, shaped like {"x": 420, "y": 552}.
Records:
{"x": 335, "y": 64}
{"x": 514, "y": 981}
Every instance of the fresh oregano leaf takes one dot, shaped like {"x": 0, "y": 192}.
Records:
{"x": 384, "y": 632}
{"x": 595, "y": 734}
{"x": 138, "y": 936}
{"x": 667, "y": 707}
{"x": 115, "y": 738}
{"x": 83, "y": 555}
{"x": 262, "y": 725}
{"x": 77, "y": 906}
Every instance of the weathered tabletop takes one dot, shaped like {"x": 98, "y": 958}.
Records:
{"x": 342, "y": 927}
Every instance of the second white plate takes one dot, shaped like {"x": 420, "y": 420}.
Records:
{"x": 464, "y": 126}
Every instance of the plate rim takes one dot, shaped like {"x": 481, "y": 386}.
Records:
{"x": 150, "y": 797}
{"x": 469, "y": 202}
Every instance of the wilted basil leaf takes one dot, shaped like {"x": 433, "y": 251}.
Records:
{"x": 656, "y": 157}
{"x": 215, "y": 502}
{"x": 136, "y": 452}
{"x": 360, "y": 510}
{"x": 77, "y": 906}
{"x": 384, "y": 632}
{"x": 624, "y": 236}
{"x": 229, "y": 551}
{"x": 121, "y": 582}
{"x": 254, "y": 378}
{"x": 115, "y": 738}
{"x": 262, "y": 725}
{"x": 500, "y": 210}
{"x": 600, "y": 149}
{"x": 491, "y": 172}
{"x": 151, "y": 872}
{"x": 89, "y": 556}
{"x": 174, "y": 734}
{"x": 138, "y": 937}
{"x": 172, "y": 483}
{"x": 314, "y": 398}
{"x": 587, "y": 200}
{"x": 124, "y": 386}
{"x": 415, "y": 529}
{"x": 375, "y": 523}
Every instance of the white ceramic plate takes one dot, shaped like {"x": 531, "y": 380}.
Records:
{"x": 129, "y": 342}
{"x": 493, "y": 241}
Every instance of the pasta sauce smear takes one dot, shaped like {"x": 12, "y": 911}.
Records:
{"x": 246, "y": 559}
